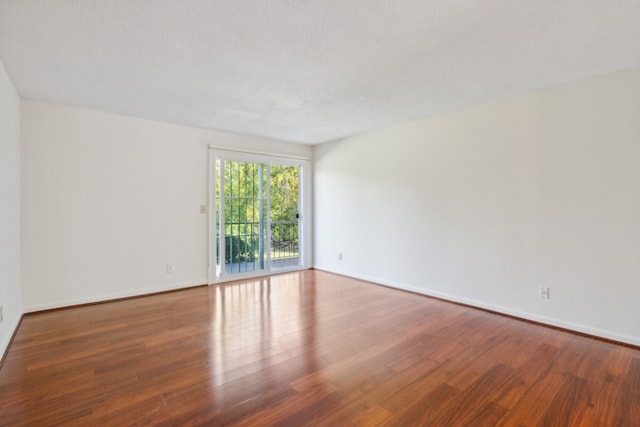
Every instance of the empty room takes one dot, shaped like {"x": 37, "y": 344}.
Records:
{"x": 319, "y": 213}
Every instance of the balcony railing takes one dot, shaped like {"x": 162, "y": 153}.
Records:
{"x": 245, "y": 251}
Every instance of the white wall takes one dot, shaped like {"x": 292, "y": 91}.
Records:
{"x": 482, "y": 206}
{"x": 109, "y": 201}
{"x": 10, "y": 297}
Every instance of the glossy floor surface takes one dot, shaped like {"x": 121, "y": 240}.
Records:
{"x": 309, "y": 348}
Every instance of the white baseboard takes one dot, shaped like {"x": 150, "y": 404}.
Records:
{"x": 113, "y": 296}
{"x": 13, "y": 326}
{"x": 585, "y": 329}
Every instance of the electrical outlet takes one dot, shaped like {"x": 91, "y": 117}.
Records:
{"x": 339, "y": 256}
{"x": 543, "y": 292}
{"x": 170, "y": 268}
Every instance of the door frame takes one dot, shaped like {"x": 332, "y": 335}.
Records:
{"x": 304, "y": 203}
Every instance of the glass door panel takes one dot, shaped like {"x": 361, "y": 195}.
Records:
{"x": 241, "y": 217}
{"x": 284, "y": 215}
{"x": 257, "y": 217}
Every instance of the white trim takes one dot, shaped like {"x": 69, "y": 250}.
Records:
{"x": 13, "y": 327}
{"x": 113, "y": 296}
{"x": 211, "y": 218}
{"x": 307, "y": 214}
{"x": 222, "y": 246}
{"x": 268, "y": 215}
{"x": 602, "y": 333}
{"x": 257, "y": 274}
{"x": 303, "y": 213}
{"x": 262, "y": 153}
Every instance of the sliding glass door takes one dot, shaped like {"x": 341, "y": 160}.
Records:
{"x": 257, "y": 215}
{"x": 284, "y": 208}
{"x": 241, "y": 207}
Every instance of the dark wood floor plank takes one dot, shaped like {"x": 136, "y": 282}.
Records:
{"x": 308, "y": 348}
{"x": 630, "y": 394}
{"x": 534, "y": 404}
{"x": 432, "y": 408}
{"x": 526, "y": 375}
{"x": 571, "y": 402}
{"x": 477, "y": 404}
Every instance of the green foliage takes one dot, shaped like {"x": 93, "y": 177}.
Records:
{"x": 284, "y": 193}
{"x": 238, "y": 249}
{"x": 245, "y": 192}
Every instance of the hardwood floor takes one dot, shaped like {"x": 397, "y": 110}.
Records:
{"x": 309, "y": 348}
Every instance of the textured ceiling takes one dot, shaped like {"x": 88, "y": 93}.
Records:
{"x": 306, "y": 70}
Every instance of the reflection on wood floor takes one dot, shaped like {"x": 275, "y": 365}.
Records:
{"x": 308, "y": 348}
